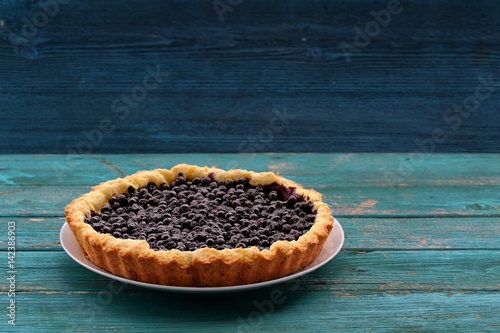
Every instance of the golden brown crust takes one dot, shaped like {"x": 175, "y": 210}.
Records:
{"x": 206, "y": 267}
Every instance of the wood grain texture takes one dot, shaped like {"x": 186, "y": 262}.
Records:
{"x": 380, "y": 185}
{"x": 227, "y": 80}
{"x": 446, "y": 201}
{"x": 427, "y": 270}
{"x": 362, "y": 234}
{"x": 350, "y": 169}
{"x": 378, "y": 312}
{"x": 421, "y": 252}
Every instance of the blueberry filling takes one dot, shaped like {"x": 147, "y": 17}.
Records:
{"x": 192, "y": 214}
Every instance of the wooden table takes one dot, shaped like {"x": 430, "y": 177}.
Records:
{"x": 421, "y": 252}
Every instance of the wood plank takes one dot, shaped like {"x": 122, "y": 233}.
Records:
{"x": 421, "y": 233}
{"x": 34, "y": 233}
{"x": 355, "y": 169}
{"x": 350, "y": 272}
{"x": 361, "y": 234}
{"x": 470, "y": 190}
{"x": 44, "y": 201}
{"x": 250, "y": 312}
{"x": 226, "y": 77}
{"x": 374, "y": 126}
{"x": 421, "y": 252}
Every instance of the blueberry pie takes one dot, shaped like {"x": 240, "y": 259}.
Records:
{"x": 200, "y": 227}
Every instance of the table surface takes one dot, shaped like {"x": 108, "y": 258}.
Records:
{"x": 421, "y": 251}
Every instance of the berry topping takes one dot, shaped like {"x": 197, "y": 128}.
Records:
{"x": 202, "y": 212}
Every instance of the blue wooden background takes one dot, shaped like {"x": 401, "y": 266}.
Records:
{"x": 249, "y": 76}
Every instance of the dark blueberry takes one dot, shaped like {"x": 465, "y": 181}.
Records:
{"x": 245, "y": 232}
{"x": 170, "y": 245}
{"x": 272, "y": 239}
{"x": 107, "y": 229}
{"x": 311, "y": 218}
{"x": 245, "y": 223}
{"x": 180, "y": 180}
{"x": 273, "y": 195}
{"x": 267, "y": 231}
{"x": 292, "y": 200}
{"x": 265, "y": 243}
{"x": 296, "y": 234}
{"x": 187, "y": 224}
{"x": 242, "y": 181}
{"x": 112, "y": 201}
{"x": 184, "y": 208}
{"x": 254, "y": 240}
{"x": 239, "y": 210}
{"x": 176, "y": 236}
{"x": 200, "y": 237}
{"x": 254, "y": 226}
{"x": 275, "y": 218}
{"x": 98, "y": 226}
{"x": 205, "y": 181}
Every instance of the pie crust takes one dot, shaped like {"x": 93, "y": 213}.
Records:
{"x": 204, "y": 267}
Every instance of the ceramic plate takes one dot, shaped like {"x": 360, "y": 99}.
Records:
{"x": 332, "y": 246}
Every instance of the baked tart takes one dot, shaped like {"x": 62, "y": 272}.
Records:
{"x": 197, "y": 226}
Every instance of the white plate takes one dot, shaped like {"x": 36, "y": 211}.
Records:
{"x": 332, "y": 246}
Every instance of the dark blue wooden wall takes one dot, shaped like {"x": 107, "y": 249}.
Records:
{"x": 249, "y": 76}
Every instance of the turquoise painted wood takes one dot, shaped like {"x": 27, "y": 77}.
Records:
{"x": 73, "y": 81}
{"x": 421, "y": 254}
